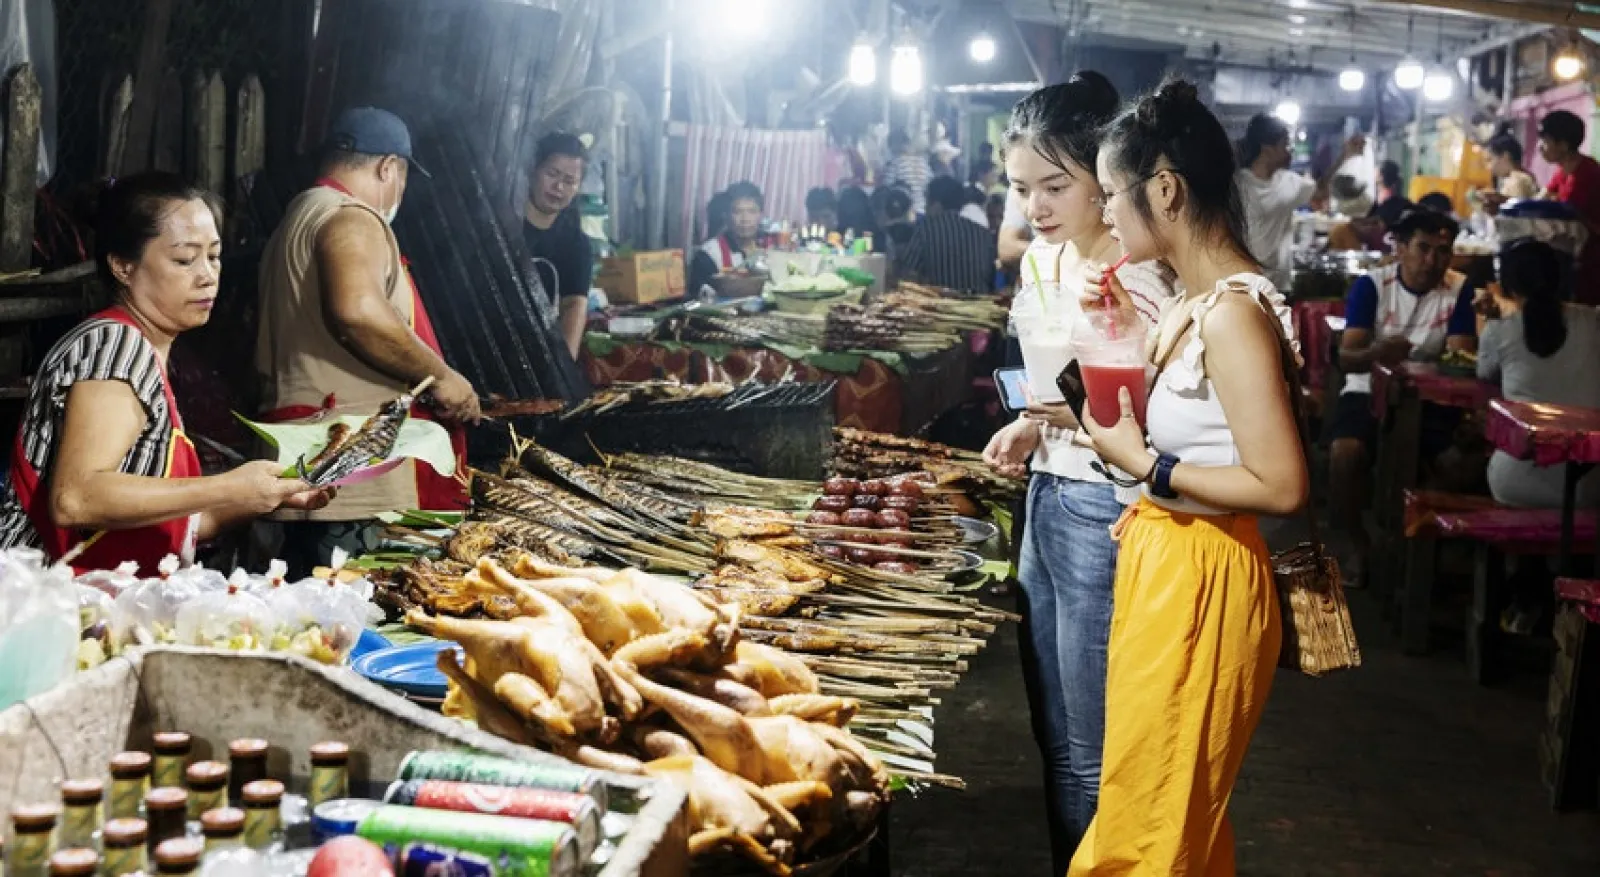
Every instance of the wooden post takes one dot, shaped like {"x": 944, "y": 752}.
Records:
{"x": 208, "y": 125}
{"x": 118, "y": 107}
{"x": 147, "y": 84}
{"x": 19, "y": 177}
{"x": 249, "y": 148}
{"x": 167, "y": 148}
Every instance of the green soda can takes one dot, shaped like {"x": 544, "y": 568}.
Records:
{"x": 463, "y": 767}
{"x": 519, "y": 847}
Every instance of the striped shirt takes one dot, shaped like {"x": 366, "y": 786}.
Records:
{"x": 951, "y": 251}
{"x": 96, "y": 350}
{"x": 912, "y": 173}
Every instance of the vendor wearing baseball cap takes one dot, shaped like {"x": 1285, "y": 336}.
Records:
{"x": 342, "y": 329}
{"x": 1576, "y": 183}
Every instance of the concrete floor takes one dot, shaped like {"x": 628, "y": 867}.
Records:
{"x": 1403, "y": 768}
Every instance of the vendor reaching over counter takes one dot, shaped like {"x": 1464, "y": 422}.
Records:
{"x": 553, "y": 231}
{"x": 343, "y": 330}
{"x": 101, "y": 463}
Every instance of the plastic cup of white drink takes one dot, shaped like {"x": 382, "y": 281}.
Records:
{"x": 1043, "y": 322}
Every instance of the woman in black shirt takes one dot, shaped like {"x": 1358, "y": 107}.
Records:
{"x": 553, "y": 231}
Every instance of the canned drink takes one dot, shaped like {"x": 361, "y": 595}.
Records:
{"x": 340, "y": 817}
{"x": 463, "y": 767}
{"x": 422, "y": 860}
{"x": 568, "y": 808}
{"x": 521, "y": 847}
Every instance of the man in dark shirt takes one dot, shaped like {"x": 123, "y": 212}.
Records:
{"x": 947, "y": 249}
{"x": 1576, "y": 183}
{"x": 554, "y": 232}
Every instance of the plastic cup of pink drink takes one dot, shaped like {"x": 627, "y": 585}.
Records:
{"x": 1111, "y": 357}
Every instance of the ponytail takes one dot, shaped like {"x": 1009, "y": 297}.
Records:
{"x": 1531, "y": 271}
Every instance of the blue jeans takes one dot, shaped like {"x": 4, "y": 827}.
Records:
{"x": 1067, "y": 567}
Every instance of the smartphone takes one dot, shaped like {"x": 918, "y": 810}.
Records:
{"x": 1070, "y": 383}
{"x": 1013, "y": 386}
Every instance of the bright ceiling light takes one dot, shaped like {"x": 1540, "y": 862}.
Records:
{"x": 1409, "y": 75}
{"x": 1297, "y": 19}
{"x": 982, "y": 48}
{"x": 1439, "y": 86}
{"x": 746, "y": 19}
{"x": 1352, "y": 79}
{"x": 1567, "y": 65}
{"x": 863, "y": 64}
{"x": 905, "y": 71}
{"x": 1289, "y": 112}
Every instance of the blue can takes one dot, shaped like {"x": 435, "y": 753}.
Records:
{"x": 423, "y": 860}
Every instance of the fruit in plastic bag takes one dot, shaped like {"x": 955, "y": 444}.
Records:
{"x": 231, "y": 620}
{"x": 38, "y": 625}
{"x": 147, "y": 613}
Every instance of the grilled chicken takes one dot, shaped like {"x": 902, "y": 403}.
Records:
{"x": 776, "y": 672}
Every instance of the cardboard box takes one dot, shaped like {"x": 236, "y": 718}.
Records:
{"x": 642, "y": 277}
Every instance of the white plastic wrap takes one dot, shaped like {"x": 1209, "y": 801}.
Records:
{"x": 229, "y": 619}
{"x": 148, "y": 612}
{"x": 38, "y": 625}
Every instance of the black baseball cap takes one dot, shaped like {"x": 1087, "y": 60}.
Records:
{"x": 371, "y": 131}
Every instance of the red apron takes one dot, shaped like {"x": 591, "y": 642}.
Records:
{"x": 109, "y": 548}
{"x": 435, "y": 492}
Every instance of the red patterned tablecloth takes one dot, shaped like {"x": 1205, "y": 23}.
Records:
{"x": 875, "y": 397}
{"x": 1585, "y": 593}
{"x": 1316, "y": 339}
{"x": 1546, "y": 434}
{"x": 1451, "y": 391}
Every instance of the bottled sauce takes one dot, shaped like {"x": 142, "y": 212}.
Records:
{"x": 330, "y": 773}
{"x": 83, "y": 812}
{"x": 223, "y": 829}
{"x": 208, "y": 787}
{"x": 124, "y": 843}
{"x": 172, "y": 757}
{"x": 180, "y": 855}
{"x": 33, "y": 839}
{"x": 77, "y": 862}
{"x": 247, "y": 762}
{"x": 262, "y": 799}
{"x": 130, "y": 782}
{"x": 167, "y": 811}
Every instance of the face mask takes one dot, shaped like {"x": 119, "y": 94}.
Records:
{"x": 392, "y": 212}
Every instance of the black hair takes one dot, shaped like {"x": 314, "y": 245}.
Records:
{"x": 1531, "y": 271}
{"x": 559, "y": 143}
{"x": 1392, "y": 210}
{"x": 855, "y": 211}
{"x": 821, "y": 198}
{"x": 718, "y": 210}
{"x": 1563, "y": 127}
{"x": 898, "y": 140}
{"x": 1424, "y": 221}
{"x": 1263, "y": 131}
{"x": 1507, "y": 146}
{"x": 1171, "y": 128}
{"x": 979, "y": 168}
{"x": 129, "y": 212}
{"x": 744, "y": 190}
{"x": 1063, "y": 122}
{"x": 337, "y": 158}
{"x": 1438, "y": 202}
{"x": 1389, "y": 175}
{"x": 947, "y": 192}
{"x": 892, "y": 201}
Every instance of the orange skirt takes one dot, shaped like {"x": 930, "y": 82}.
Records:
{"x": 1194, "y": 643}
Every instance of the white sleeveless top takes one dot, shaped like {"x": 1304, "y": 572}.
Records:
{"x": 1185, "y": 417}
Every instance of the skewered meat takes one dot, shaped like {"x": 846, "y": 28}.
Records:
{"x": 338, "y": 433}
{"x": 772, "y": 561}
{"x": 374, "y": 441}
{"x": 744, "y": 523}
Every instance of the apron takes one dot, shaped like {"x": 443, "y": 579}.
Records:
{"x": 109, "y": 548}
{"x": 435, "y": 492}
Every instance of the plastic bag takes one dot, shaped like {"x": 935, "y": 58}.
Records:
{"x": 147, "y": 613}
{"x": 38, "y": 625}
{"x": 338, "y": 614}
{"x": 230, "y": 619}
{"x": 112, "y": 581}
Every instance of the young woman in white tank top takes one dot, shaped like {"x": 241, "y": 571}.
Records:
{"x": 1196, "y": 630}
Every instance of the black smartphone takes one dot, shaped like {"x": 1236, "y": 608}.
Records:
{"x": 1013, "y": 386}
{"x": 1070, "y": 383}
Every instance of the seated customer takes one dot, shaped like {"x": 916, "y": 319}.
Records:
{"x": 948, "y": 250}
{"x": 1540, "y": 350}
{"x": 1415, "y": 308}
{"x": 736, "y": 243}
{"x": 822, "y": 208}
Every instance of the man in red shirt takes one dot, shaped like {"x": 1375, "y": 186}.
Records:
{"x": 1576, "y": 183}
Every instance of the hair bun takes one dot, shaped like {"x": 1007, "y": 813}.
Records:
{"x": 1168, "y": 113}
{"x": 1096, "y": 94}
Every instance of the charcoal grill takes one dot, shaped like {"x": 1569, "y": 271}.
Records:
{"x": 779, "y": 430}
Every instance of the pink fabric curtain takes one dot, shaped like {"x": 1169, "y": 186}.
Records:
{"x": 785, "y": 164}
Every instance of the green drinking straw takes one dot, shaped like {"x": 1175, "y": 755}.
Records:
{"x": 1033, "y": 267}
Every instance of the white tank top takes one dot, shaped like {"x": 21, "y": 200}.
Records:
{"x": 1184, "y": 415}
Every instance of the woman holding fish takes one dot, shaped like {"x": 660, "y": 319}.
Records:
{"x": 101, "y": 470}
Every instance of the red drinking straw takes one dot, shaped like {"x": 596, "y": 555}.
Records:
{"x": 1105, "y": 292}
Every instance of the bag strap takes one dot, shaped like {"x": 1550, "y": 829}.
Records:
{"x": 1177, "y": 341}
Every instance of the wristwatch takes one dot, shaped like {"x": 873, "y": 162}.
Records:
{"x": 1161, "y": 477}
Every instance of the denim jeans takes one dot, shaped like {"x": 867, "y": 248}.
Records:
{"x": 1066, "y": 570}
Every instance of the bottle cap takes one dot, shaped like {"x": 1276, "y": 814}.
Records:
{"x": 206, "y": 775}
{"x": 130, "y": 765}
{"x": 35, "y": 817}
{"x": 330, "y": 754}
{"x": 82, "y": 792}
{"x": 180, "y": 852}
{"x": 222, "y": 822}
{"x": 173, "y": 743}
{"x": 125, "y": 832}
{"x": 263, "y": 792}
{"x": 166, "y": 799}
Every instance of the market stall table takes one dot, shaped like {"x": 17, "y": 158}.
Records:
{"x": 878, "y": 391}
{"x": 1570, "y": 436}
{"x": 1398, "y": 392}
{"x": 1315, "y": 329}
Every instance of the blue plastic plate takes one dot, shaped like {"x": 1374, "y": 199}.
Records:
{"x": 409, "y": 670}
{"x": 370, "y": 641}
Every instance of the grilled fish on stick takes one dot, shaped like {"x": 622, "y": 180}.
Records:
{"x": 375, "y": 440}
